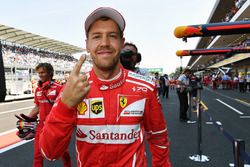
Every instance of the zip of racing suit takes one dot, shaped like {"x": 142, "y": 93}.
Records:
{"x": 112, "y": 123}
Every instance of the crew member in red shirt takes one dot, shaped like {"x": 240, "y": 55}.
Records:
{"x": 45, "y": 96}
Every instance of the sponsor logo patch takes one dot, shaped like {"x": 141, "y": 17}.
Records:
{"x": 135, "y": 109}
{"x": 131, "y": 106}
{"x": 104, "y": 87}
{"x": 113, "y": 85}
{"x": 82, "y": 108}
{"x": 141, "y": 77}
{"x": 91, "y": 108}
{"x": 80, "y": 134}
{"x": 108, "y": 134}
{"x": 123, "y": 101}
{"x": 96, "y": 106}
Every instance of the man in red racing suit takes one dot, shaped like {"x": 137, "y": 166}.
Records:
{"x": 109, "y": 125}
{"x": 112, "y": 109}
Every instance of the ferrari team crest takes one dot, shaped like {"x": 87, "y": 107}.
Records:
{"x": 123, "y": 101}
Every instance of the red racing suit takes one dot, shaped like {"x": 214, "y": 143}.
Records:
{"x": 112, "y": 123}
{"x": 45, "y": 96}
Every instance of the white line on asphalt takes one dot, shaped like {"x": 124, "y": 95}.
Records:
{"x": 238, "y": 100}
{"x": 14, "y": 145}
{"x": 10, "y": 111}
{"x": 241, "y": 113}
{"x": 13, "y": 102}
{"x": 246, "y": 116}
{"x": 211, "y": 123}
{"x": 232, "y": 165}
{"x": 8, "y": 131}
{"x": 219, "y": 93}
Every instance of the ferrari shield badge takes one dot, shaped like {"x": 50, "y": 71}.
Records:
{"x": 123, "y": 101}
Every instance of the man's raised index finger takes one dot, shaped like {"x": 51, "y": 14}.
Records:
{"x": 78, "y": 66}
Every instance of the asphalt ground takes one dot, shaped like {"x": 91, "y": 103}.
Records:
{"x": 183, "y": 136}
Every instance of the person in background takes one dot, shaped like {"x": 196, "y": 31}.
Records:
{"x": 224, "y": 81}
{"x": 172, "y": 83}
{"x": 242, "y": 81}
{"x": 130, "y": 57}
{"x": 45, "y": 95}
{"x": 157, "y": 82}
{"x": 214, "y": 81}
{"x": 66, "y": 78}
{"x": 112, "y": 108}
{"x": 206, "y": 81}
{"x": 195, "y": 84}
{"x": 236, "y": 82}
{"x": 182, "y": 84}
{"x": 248, "y": 81}
{"x": 165, "y": 85}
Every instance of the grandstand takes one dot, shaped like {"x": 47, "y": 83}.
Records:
{"x": 225, "y": 11}
{"x": 21, "y": 51}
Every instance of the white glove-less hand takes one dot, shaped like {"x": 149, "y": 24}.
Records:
{"x": 77, "y": 87}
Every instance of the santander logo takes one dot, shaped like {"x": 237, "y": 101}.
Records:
{"x": 113, "y": 136}
{"x": 109, "y": 134}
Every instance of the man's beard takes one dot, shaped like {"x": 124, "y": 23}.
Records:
{"x": 108, "y": 67}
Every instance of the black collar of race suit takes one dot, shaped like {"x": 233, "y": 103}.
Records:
{"x": 110, "y": 84}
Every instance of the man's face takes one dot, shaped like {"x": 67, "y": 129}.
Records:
{"x": 104, "y": 44}
{"x": 187, "y": 74}
{"x": 43, "y": 75}
{"x": 133, "y": 59}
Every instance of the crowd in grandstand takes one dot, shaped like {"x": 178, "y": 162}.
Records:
{"x": 27, "y": 58}
{"x": 237, "y": 5}
{"x": 220, "y": 57}
{"x": 24, "y": 56}
{"x": 229, "y": 15}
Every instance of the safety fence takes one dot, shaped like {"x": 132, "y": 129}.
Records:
{"x": 240, "y": 155}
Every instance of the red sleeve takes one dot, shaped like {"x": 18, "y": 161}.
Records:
{"x": 156, "y": 130}
{"x": 59, "y": 88}
{"x": 57, "y": 131}
{"x": 35, "y": 98}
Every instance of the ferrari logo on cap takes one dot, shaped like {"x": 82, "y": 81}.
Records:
{"x": 123, "y": 101}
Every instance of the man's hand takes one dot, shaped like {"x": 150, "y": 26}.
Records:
{"x": 77, "y": 87}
